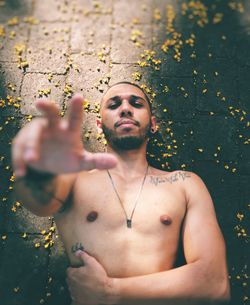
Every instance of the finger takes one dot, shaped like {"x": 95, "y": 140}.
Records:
{"x": 79, "y": 254}
{"x": 75, "y": 113}
{"x": 70, "y": 290}
{"x": 85, "y": 257}
{"x": 18, "y": 162}
{"x": 97, "y": 161}
{"x": 50, "y": 110}
{"x": 25, "y": 147}
{"x": 68, "y": 284}
{"x": 70, "y": 272}
{"x": 32, "y": 145}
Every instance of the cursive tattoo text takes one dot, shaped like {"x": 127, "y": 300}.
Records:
{"x": 173, "y": 178}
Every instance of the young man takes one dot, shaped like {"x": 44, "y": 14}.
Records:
{"x": 120, "y": 219}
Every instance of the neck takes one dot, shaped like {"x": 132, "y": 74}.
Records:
{"x": 130, "y": 162}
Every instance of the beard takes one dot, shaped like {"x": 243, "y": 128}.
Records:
{"x": 125, "y": 142}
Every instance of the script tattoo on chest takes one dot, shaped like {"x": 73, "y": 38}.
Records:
{"x": 173, "y": 178}
{"x": 76, "y": 247}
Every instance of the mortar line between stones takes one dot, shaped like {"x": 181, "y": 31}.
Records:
{"x": 44, "y": 21}
{"x": 8, "y": 61}
{"x": 151, "y": 28}
{"x": 66, "y": 72}
{"x": 27, "y": 43}
{"x": 45, "y": 73}
{"x": 111, "y": 38}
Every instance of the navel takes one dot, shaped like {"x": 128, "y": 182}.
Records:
{"x": 166, "y": 220}
{"x": 92, "y": 216}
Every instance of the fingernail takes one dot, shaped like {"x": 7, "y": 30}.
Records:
{"x": 78, "y": 252}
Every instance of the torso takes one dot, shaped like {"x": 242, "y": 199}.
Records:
{"x": 150, "y": 245}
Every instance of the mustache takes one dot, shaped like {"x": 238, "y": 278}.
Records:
{"x": 118, "y": 123}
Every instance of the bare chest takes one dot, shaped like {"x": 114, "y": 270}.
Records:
{"x": 147, "y": 209}
{"x": 98, "y": 219}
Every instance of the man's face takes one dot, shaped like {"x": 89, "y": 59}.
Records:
{"x": 126, "y": 117}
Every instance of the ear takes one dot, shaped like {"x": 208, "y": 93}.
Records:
{"x": 154, "y": 126}
{"x": 99, "y": 125}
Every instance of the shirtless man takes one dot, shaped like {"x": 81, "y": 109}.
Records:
{"x": 120, "y": 219}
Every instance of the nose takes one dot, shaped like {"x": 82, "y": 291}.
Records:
{"x": 126, "y": 110}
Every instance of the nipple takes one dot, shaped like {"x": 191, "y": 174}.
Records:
{"x": 92, "y": 216}
{"x": 166, "y": 220}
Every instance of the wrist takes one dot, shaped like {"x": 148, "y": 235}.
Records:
{"x": 40, "y": 185}
{"x": 114, "y": 296}
{"x": 37, "y": 175}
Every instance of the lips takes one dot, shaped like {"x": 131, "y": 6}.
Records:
{"x": 126, "y": 122}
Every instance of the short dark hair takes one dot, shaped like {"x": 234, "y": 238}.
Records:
{"x": 135, "y": 85}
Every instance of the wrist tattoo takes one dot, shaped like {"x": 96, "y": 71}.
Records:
{"x": 41, "y": 185}
{"x": 38, "y": 176}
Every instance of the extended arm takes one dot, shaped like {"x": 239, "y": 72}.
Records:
{"x": 47, "y": 153}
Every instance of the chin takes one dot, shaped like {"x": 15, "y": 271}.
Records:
{"x": 128, "y": 142}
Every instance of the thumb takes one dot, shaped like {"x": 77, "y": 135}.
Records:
{"x": 97, "y": 161}
{"x": 80, "y": 254}
{"x": 84, "y": 257}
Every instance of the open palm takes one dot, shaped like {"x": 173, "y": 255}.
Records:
{"x": 52, "y": 144}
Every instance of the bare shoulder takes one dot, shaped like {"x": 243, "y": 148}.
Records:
{"x": 196, "y": 191}
{"x": 190, "y": 182}
{"x": 194, "y": 181}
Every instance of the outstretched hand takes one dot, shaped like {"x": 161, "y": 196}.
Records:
{"x": 53, "y": 144}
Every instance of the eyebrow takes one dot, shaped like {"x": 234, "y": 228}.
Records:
{"x": 119, "y": 97}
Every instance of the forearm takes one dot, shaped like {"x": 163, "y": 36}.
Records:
{"x": 38, "y": 191}
{"x": 183, "y": 285}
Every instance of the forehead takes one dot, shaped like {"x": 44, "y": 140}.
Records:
{"x": 123, "y": 89}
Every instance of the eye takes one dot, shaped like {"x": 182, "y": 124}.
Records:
{"x": 113, "y": 106}
{"x": 137, "y": 104}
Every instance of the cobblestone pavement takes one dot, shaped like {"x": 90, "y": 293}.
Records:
{"x": 192, "y": 57}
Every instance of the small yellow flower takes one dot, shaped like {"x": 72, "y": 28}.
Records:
{"x": 13, "y": 209}
{"x": 13, "y": 21}
{"x": 16, "y": 289}
{"x": 240, "y": 216}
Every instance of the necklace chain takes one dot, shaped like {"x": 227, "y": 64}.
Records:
{"x": 129, "y": 219}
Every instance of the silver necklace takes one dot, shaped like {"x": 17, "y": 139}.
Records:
{"x": 129, "y": 219}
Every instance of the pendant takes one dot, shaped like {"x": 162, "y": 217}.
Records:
{"x": 129, "y": 223}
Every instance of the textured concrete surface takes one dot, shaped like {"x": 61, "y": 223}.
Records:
{"x": 192, "y": 56}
